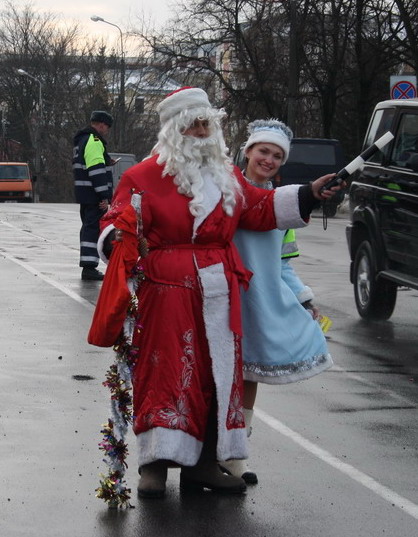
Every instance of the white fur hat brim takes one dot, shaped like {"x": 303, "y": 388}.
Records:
{"x": 183, "y": 99}
{"x": 269, "y": 136}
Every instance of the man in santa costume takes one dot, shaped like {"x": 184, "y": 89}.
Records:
{"x": 187, "y": 379}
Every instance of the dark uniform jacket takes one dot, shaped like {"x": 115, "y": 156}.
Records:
{"x": 92, "y": 169}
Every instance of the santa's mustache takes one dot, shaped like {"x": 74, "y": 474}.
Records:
{"x": 199, "y": 148}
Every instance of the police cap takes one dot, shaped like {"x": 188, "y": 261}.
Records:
{"x": 100, "y": 116}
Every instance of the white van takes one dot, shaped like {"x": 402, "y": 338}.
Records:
{"x": 126, "y": 160}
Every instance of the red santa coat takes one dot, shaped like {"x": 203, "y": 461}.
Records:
{"x": 189, "y": 344}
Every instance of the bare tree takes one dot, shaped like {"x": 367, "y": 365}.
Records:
{"x": 68, "y": 81}
{"x": 371, "y": 59}
{"x": 320, "y": 65}
{"x": 237, "y": 50}
{"x": 407, "y": 37}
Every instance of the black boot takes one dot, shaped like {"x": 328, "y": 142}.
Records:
{"x": 91, "y": 273}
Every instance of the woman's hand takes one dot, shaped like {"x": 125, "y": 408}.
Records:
{"x": 322, "y": 181}
{"x": 313, "y": 310}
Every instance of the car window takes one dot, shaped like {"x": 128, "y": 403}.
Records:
{"x": 5, "y": 172}
{"x": 313, "y": 154}
{"x": 9, "y": 171}
{"x": 406, "y": 144}
{"x": 381, "y": 123}
{"x": 239, "y": 159}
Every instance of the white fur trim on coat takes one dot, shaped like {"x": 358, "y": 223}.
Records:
{"x": 101, "y": 240}
{"x": 168, "y": 444}
{"x": 231, "y": 443}
{"x": 305, "y": 294}
{"x": 211, "y": 198}
{"x": 286, "y": 207}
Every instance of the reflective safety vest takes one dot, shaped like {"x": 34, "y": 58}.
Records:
{"x": 92, "y": 170}
{"x": 289, "y": 245}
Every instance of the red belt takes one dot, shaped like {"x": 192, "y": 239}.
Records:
{"x": 236, "y": 275}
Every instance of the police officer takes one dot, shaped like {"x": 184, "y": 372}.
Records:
{"x": 93, "y": 187}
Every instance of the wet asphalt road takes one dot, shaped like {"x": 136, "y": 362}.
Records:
{"x": 336, "y": 456}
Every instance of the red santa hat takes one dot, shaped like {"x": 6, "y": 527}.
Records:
{"x": 186, "y": 98}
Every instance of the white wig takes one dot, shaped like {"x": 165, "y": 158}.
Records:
{"x": 185, "y": 156}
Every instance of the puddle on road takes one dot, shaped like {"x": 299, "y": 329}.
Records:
{"x": 345, "y": 410}
{"x": 82, "y": 377}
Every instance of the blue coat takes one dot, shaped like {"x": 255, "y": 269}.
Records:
{"x": 281, "y": 341}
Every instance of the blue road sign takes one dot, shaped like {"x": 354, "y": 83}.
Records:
{"x": 403, "y": 90}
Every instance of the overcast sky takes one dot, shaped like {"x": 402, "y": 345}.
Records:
{"x": 124, "y": 13}
{"x": 118, "y": 11}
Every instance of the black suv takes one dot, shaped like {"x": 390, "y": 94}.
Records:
{"x": 309, "y": 158}
{"x": 383, "y": 233}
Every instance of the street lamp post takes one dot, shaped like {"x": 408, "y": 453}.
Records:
{"x": 96, "y": 18}
{"x": 293, "y": 68}
{"x": 39, "y": 123}
{"x": 4, "y": 152}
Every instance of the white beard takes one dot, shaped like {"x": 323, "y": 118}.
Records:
{"x": 199, "y": 153}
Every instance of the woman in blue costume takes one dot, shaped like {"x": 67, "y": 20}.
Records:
{"x": 282, "y": 341}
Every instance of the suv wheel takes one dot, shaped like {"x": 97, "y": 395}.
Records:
{"x": 375, "y": 298}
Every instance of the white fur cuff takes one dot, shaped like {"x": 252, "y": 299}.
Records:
{"x": 305, "y": 294}
{"x": 286, "y": 207}
{"x": 101, "y": 240}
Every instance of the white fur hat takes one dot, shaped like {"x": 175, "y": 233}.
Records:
{"x": 185, "y": 98}
{"x": 269, "y": 131}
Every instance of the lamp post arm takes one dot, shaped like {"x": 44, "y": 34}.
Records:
{"x": 39, "y": 125}
{"x": 41, "y": 107}
{"x": 122, "y": 89}
{"x": 96, "y": 18}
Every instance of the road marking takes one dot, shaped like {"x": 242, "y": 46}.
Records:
{"x": 30, "y": 234}
{"x": 380, "y": 490}
{"x": 50, "y": 281}
{"x": 356, "y": 475}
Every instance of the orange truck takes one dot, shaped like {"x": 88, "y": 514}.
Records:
{"x": 15, "y": 182}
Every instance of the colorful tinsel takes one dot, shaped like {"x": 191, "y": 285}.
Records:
{"x": 113, "y": 489}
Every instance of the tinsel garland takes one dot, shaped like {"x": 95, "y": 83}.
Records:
{"x": 113, "y": 489}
